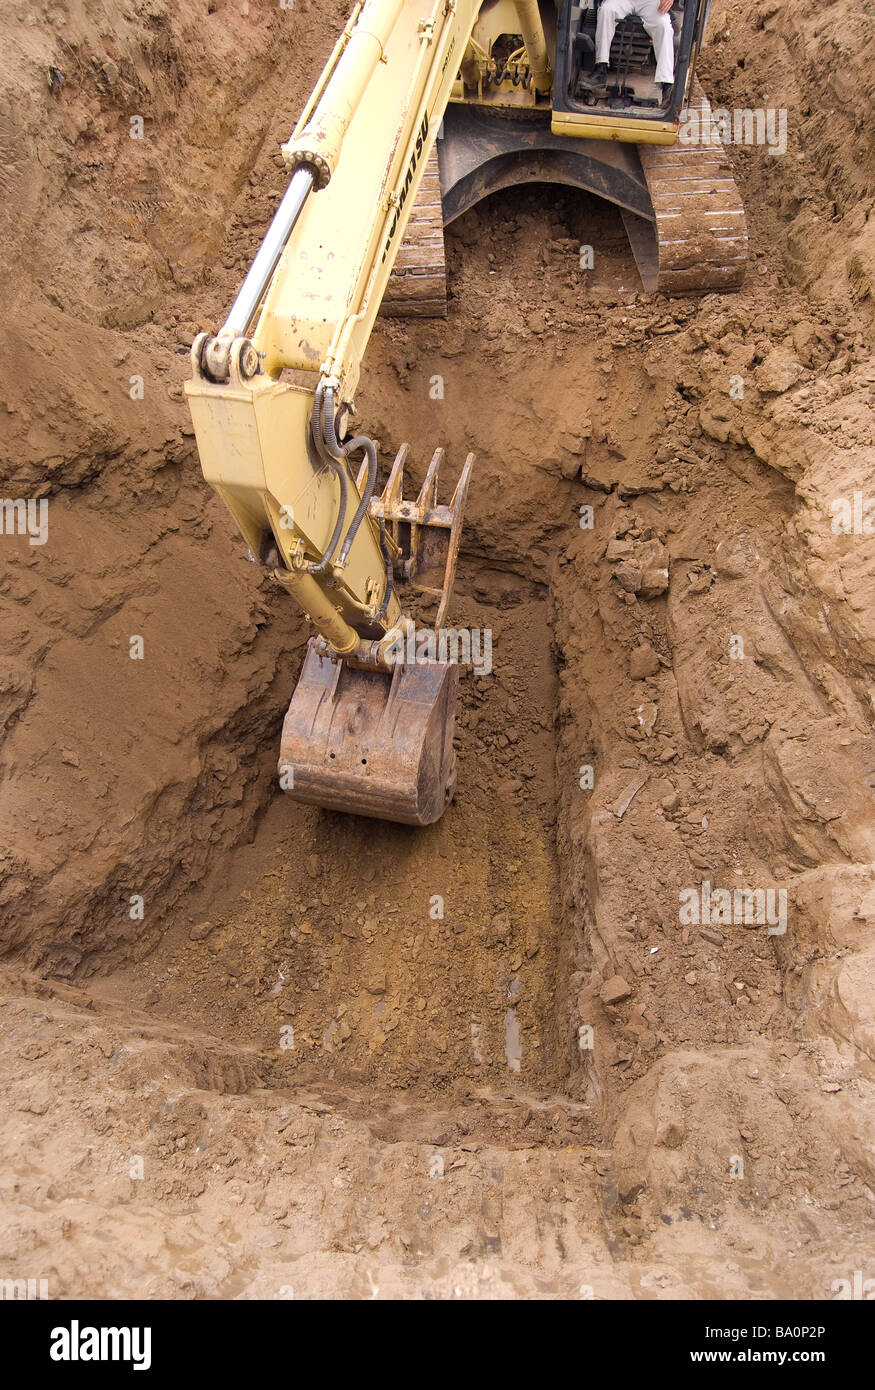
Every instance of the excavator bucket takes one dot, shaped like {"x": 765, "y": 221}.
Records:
{"x": 375, "y": 743}
{"x": 378, "y": 741}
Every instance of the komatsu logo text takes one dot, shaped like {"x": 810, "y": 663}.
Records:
{"x": 401, "y": 195}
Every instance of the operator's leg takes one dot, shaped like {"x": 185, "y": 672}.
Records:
{"x": 660, "y": 29}
{"x": 610, "y": 14}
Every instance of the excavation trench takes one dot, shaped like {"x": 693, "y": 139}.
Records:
{"x": 473, "y": 957}
{"x": 678, "y": 695}
{"x": 361, "y": 951}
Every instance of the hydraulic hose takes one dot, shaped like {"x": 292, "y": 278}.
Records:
{"x": 388, "y": 561}
{"x": 361, "y": 441}
{"x": 317, "y": 415}
{"x": 323, "y": 442}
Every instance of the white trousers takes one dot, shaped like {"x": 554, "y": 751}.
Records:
{"x": 657, "y": 25}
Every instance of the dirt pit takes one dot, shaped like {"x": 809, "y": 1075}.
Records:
{"x": 398, "y": 958}
{"x": 257, "y": 1050}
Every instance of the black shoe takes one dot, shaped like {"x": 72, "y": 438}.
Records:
{"x": 667, "y": 89}
{"x": 597, "y": 80}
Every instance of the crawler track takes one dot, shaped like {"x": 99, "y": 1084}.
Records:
{"x": 418, "y": 284}
{"x": 701, "y": 229}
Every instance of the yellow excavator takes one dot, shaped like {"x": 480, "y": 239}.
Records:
{"x": 506, "y": 86}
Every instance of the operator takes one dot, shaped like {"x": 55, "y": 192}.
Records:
{"x": 655, "y": 17}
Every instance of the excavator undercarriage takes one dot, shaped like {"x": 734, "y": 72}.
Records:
{"x": 680, "y": 205}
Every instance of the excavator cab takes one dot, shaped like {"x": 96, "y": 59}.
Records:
{"x": 631, "y": 87}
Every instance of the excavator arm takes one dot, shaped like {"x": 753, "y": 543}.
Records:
{"x": 369, "y": 729}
